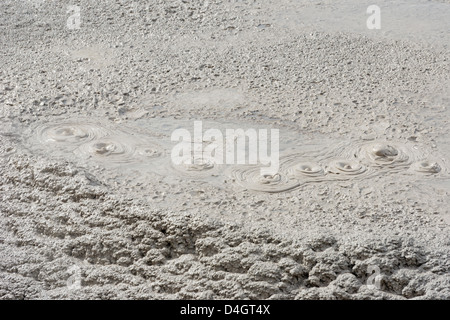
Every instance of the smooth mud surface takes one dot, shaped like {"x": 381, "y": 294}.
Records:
{"x": 93, "y": 207}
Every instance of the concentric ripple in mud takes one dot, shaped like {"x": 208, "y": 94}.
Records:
{"x": 426, "y": 167}
{"x": 315, "y": 161}
{"x": 197, "y": 168}
{"x": 305, "y": 164}
{"x": 394, "y": 157}
{"x": 109, "y": 149}
{"x": 117, "y": 150}
{"x": 305, "y": 172}
{"x": 344, "y": 167}
{"x": 251, "y": 178}
{"x": 148, "y": 150}
{"x": 6, "y": 151}
{"x": 306, "y": 169}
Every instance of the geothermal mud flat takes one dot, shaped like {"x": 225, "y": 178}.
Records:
{"x": 92, "y": 206}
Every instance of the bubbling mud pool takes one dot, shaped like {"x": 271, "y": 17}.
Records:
{"x": 70, "y": 133}
{"x": 92, "y": 141}
{"x": 143, "y": 147}
{"x": 5, "y": 151}
{"x": 306, "y": 169}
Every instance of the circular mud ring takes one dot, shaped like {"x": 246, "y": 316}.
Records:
{"x": 149, "y": 150}
{"x": 306, "y": 169}
{"x": 108, "y": 150}
{"x": 426, "y": 167}
{"x": 345, "y": 167}
{"x": 251, "y": 178}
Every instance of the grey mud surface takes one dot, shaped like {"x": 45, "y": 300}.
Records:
{"x": 128, "y": 225}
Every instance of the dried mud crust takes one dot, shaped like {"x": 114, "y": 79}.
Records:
{"x": 193, "y": 240}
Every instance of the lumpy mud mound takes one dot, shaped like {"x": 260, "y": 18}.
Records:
{"x": 426, "y": 167}
{"x": 91, "y": 207}
{"x": 386, "y": 155}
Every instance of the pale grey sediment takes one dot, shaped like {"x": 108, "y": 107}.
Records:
{"x": 86, "y": 179}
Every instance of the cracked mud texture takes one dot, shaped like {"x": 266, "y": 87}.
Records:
{"x": 152, "y": 236}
